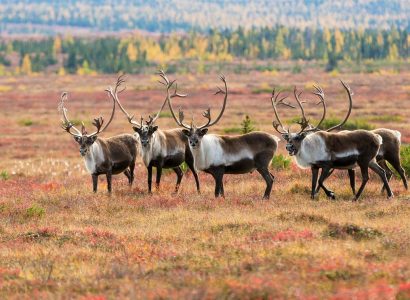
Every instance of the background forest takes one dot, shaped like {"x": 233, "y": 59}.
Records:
{"x": 200, "y": 52}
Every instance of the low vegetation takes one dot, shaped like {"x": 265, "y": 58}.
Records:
{"x": 281, "y": 162}
{"x": 405, "y": 158}
{"x": 26, "y": 122}
{"x": 60, "y": 240}
{"x": 350, "y": 124}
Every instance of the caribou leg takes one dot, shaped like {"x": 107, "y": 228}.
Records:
{"x": 190, "y": 163}
{"x": 95, "y": 182}
{"x": 315, "y": 174}
{"x": 328, "y": 175}
{"x": 389, "y": 173}
{"x": 179, "y": 173}
{"x": 159, "y": 173}
{"x": 395, "y": 162}
{"x": 323, "y": 176}
{"x": 132, "y": 167}
{"x": 109, "y": 177}
{"x": 128, "y": 175}
{"x": 268, "y": 179}
{"x": 352, "y": 179}
{"x": 351, "y": 173}
{"x": 218, "y": 174}
{"x": 149, "y": 168}
{"x": 382, "y": 173}
{"x": 365, "y": 177}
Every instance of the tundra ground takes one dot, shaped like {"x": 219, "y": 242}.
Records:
{"x": 59, "y": 240}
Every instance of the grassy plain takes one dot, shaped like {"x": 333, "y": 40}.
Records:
{"x": 59, "y": 240}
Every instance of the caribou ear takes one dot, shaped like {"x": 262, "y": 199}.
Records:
{"x": 137, "y": 129}
{"x": 94, "y": 138}
{"x": 154, "y": 128}
{"x": 203, "y": 131}
{"x": 303, "y": 134}
{"x": 285, "y": 137}
{"x": 77, "y": 139}
{"x": 186, "y": 132}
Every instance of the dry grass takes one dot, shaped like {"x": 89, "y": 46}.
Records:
{"x": 59, "y": 240}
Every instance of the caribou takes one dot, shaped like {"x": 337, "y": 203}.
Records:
{"x": 162, "y": 149}
{"x": 107, "y": 156}
{"x": 389, "y": 152}
{"x": 326, "y": 150}
{"x": 222, "y": 154}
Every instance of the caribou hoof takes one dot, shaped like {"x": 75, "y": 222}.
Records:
{"x": 332, "y": 196}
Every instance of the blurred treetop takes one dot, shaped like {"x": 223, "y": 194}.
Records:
{"x": 133, "y": 53}
{"x": 47, "y": 16}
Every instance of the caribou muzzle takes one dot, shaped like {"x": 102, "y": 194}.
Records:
{"x": 145, "y": 143}
{"x": 83, "y": 151}
{"x": 291, "y": 149}
{"x": 194, "y": 144}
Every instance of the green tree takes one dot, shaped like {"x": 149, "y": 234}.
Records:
{"x": 247, "y": 125}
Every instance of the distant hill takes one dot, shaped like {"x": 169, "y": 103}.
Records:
{"x": 46, "y": 16}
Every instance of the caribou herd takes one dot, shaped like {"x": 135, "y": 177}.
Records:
{"x": 217, "y": 155}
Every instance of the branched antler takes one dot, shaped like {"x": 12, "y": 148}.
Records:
{"x": 277, "y": 124}
{"x": 98, "y": 122}
{"x": 67, "y": 125}
{"x": 350, "y": 94}
{"x": 207, "y": 113}
{"x": 114, "y": 95}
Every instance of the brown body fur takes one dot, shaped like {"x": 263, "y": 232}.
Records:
{"x": 174, "y": 144}
{"x": 120, "y": 153}
{"x": 389, "y": 152}
{"x": 240, "y": 154}
{"x": 343, "y": 150}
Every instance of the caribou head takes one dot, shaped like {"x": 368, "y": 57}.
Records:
{"x": 146, "y": 129}
{"x": 82, "y": 137}
{"x": 193, "y": 132}
{"x": 295, "y": 139}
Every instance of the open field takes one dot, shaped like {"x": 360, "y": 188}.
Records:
{"x": 59, "y": 240}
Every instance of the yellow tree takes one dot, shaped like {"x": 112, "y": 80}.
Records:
{"x": 153, "y": 50}
{"x": 132, "y": 52}
{"x": 327, "y": 37}
{"x": 280, "y": 43}
{"x": 393, "y": 52}
{"x": 172, "y": 48}
{"x": 26, "y": 65}
{"x": 57, "y": 46}
{"x": 339, "y": 41}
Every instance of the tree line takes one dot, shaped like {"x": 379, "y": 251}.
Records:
{"x": 36, "y": 16}
{"x": 132, "y": 54}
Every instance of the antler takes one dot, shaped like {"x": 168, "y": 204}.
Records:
{"x": 275, "y": 102}
{"x": 304, "y": 123}
{"x": 98, "y": 122}
{"x": 207, "y": 113}
{"x": 67, "y": 125}
{"x": 114, "y": 95}
{"x": 350, "y": 94}
{"x": 319, "y": 92}
{"x": 168, "y": 84}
